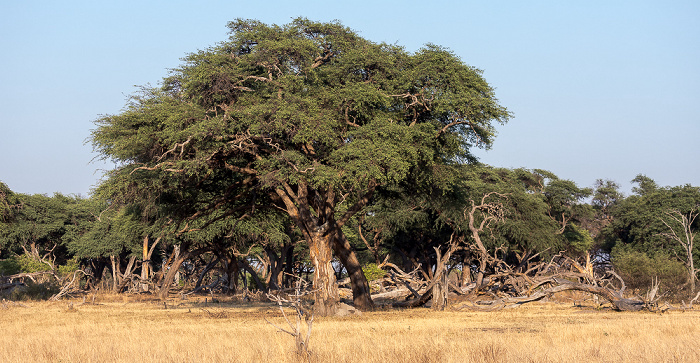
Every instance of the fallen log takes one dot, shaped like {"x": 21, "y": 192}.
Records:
{"x": 618, "y": 302}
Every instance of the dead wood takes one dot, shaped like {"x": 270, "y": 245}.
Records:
{"x": 69, "y": 285}
{"x": 303, "y": 314}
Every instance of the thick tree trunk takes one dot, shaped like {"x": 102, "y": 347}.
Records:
{"x": 324, "y": 283}
{"x": 232, "y": 272}
{"x": 440, "y": 278}
{"x": 274, "y": 279}
{"x": 481, "y": 272}
{"x": 466, "y": 277}
{"x": 361, "y": 294}
{"x": 314, "y": 212}
{"x": 440, "y": 291}
{"x": 116, "y": 274}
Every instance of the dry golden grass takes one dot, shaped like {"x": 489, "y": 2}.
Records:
{"x": 118, "y": 330}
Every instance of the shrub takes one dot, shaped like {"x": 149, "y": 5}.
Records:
{"x": 35, "y": 291}
{"x": 373, "y": 272}
{"x": 10, "y": 266}
{"x": 69, "y": 268}
{"x": 638, "y": 269}
{"x": 29, "y": 264}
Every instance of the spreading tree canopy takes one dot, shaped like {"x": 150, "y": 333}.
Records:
{"x": 308, "y": 118}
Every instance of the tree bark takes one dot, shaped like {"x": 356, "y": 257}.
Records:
{"x": 440, "y": 291}
{"x": 144, "y": 261}
{"x": 466, "y": 276}
{"x": 326, "y": 295}
{"x": 126, "y": 278}
{"x": 214, "y": 260}
{"x": 232, "y": 272}
{"x": 686, "y": 238}
{"x": 274, "y": 279}
{"x": 361, "y": 294}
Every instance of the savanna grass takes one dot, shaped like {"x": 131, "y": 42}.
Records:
{"x": 119, "y": 330}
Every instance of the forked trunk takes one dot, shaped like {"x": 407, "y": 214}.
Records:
{"x": 179, "y": 256}
{"x": 314, "y": 212}
{"x": 324, "y": 282}
{"x": 116, "y": 274}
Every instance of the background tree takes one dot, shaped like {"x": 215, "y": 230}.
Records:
{"x": 8, "y": 202}
{"x": 309, "y": 115}
{"x": 639, "y": 234}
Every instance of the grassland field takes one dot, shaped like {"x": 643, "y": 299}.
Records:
{"x": 133, "y": 329}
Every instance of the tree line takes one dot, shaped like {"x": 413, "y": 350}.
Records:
{"x": 306, "y": 150}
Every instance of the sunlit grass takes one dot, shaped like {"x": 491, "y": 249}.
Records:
{"x": 188, "y": 331}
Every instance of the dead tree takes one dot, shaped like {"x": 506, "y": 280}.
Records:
{"x": 559, "y": 275}
{"x": 69, "y": 285}
{"x": 479, "y": 218}
{"x": 685, "y": 238}
{"x": 437, "y": 288}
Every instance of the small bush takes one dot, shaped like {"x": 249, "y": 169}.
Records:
{"x": 373, "y": 272}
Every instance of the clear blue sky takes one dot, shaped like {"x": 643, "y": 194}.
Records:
{"x": 599, "y": 89}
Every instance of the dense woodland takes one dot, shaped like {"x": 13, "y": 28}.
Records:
{"x": 304, "y": 151}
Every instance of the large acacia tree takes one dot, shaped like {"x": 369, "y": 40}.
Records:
{"x": 309, "y": 116}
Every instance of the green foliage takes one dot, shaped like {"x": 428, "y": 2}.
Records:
{"x": 607, "y": 194}
{"x": 8, "y": 201}
{"x": 115, "y": 232}
{"x": 373, "y": 272}
{"x": 305, "y": 101}
{"x": 70, "y": 267}
{"x": 579, "y": 240}
{"x": 30, "y": 264}
{"x": 26, "y": 263}
{"x": 10, "y": 266}
{"x": 42, "y": 224}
